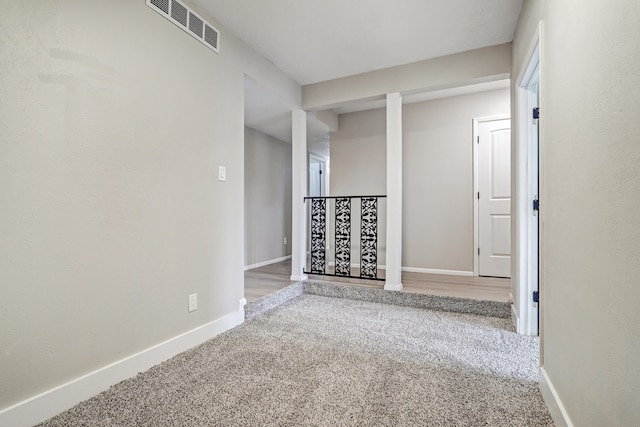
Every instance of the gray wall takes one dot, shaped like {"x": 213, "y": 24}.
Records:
{"x": 437, "y": 172}
{"x": 113, "y": 122}
{"x": 437, "y": 159}
{"x": 267, "y": 197}
{"x": 358, "y": 159}
{"x": 474, "y": 66}
{"x": 358, "y": 154}
{"x": 590, "y": 137}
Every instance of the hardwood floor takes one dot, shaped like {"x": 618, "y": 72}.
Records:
{"x": 262, "y": 281}
{"x": 483, "y": 288}
{"x": 268, "y": 279}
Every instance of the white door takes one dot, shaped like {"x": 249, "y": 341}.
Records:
{"x": 494, "y": 198}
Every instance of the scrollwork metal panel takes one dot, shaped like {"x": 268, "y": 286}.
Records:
{"x": 369, "y": 238}
{"x": 318, "y": 239}
{"x": 343, "y": 237}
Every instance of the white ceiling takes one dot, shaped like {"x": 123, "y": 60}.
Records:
{"x": 319, "y": 40}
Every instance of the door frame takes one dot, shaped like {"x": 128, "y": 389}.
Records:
{"x": 528, "y": 243}
{"x": 325, "y": 175}
{"x": 476, "y": 206}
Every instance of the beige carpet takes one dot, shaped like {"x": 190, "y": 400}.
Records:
{"x": 327, "y": 361}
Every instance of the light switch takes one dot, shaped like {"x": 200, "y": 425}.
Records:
{"x": 193, "y": 302}
{"x": 222, "y": 173}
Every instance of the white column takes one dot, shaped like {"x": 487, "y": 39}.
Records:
{"x": 299, "y": 191}
{"x": 393, "y": 276}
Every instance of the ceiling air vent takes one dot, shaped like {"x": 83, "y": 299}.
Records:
{"x": 195, "y": 25}
{"x": 189, "y": 21}
{"x": 162, "y": 5}
{"x": 210, "y": 36}
{"x": 179, "y": 13}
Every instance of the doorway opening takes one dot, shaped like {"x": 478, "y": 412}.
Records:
{"x": 318, "y": 176}
{"x": 267, "y": 190}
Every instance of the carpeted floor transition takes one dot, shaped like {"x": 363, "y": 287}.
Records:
{"x": 333, "y": 362}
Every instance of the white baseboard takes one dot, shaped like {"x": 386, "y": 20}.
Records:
{"x": 551, "y": 398}
{"x": 437, "y": 271}
{"x": 268, "y": 262}
{"x": 56, "y": 400}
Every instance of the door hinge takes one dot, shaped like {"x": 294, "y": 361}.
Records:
{"x": 478, "y": 251}
{"x": 536, "y": 296}
{"x": 536, "y": 205}
{"x": 478, "y": 195}
{"x": 478, "y": 139}
{"x": 536, "y": 113}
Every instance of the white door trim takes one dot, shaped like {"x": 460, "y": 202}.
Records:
{"x": 527, "y": 271}
{"x": 476, "y": 228}
{"x": 325, "y": 172}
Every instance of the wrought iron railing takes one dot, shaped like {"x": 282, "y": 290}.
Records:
{"x": 366, "y": 240}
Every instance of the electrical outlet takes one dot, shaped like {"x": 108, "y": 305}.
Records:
{"x": 285, "y": 240}
{"x": 193, "y": 302}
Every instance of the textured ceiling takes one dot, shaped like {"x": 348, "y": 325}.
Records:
{"x": 318, "y": 40}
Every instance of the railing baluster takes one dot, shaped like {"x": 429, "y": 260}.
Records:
{"x": 369, "y": 238}
{"x": 343, "y": 236}
{"x": 318, "y": 232}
